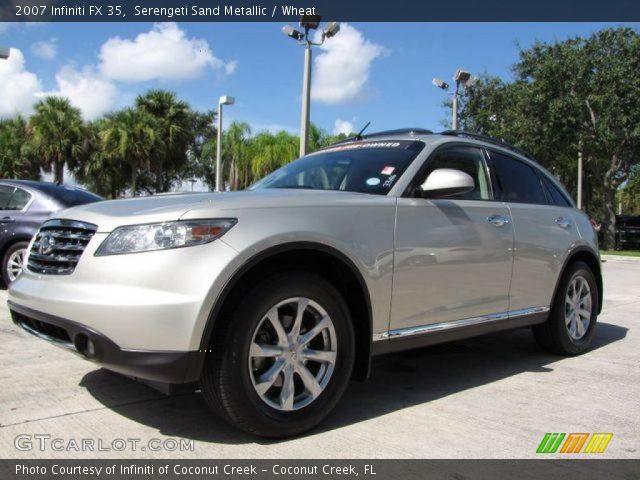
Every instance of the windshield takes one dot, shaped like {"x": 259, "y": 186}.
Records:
{"x": 364, "y": 167}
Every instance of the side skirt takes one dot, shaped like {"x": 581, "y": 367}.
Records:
{"x": 416, "y": 337}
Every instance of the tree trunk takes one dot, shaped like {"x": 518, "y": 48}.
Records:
{"x": 58, "y": 173}
{"x": 232, "y": 177}
{"x": 236, "y": 176}
{"x": 134, "y": 180}
{"x": 159, "y": 182}
{"x": 609, "y": 224}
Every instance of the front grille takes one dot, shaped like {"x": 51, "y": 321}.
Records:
{"x": 59, "y": 245}
{"x": 43, "y": 329}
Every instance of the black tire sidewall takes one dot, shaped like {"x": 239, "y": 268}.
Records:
{"x": 5, "y": 260}
{"x": 235, "y": 388}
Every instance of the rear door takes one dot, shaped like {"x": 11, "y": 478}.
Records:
{"x": 14, "y": 202}
{"x": 452, "y": 257}
{"x": 544, "y": 231}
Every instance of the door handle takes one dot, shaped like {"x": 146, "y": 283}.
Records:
{"x": 6, "y": 220}
{"x": 498, "y": 220}
{"x": 563, "y": 222}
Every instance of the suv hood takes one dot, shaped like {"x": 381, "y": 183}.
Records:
{"x": 111, "y": 214}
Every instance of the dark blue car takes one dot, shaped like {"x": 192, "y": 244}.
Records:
{"x": 24, "y": 205}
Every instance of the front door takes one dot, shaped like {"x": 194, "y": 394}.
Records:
{"x": 453, "y": 256}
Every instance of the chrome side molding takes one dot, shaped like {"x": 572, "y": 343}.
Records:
{"x": 466, "y": 322}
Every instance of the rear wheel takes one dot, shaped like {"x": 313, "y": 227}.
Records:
{"x": 283, "y": 359}
{"x": 572, "y": 320}
{"x": 13, "y": 261}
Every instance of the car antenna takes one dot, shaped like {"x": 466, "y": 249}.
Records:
{"x": 359, "y": 135}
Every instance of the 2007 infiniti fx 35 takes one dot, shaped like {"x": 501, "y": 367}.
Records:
{"x": 273, "y": 298}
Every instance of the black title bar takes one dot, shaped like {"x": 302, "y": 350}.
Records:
{"x": 339, "y": 10}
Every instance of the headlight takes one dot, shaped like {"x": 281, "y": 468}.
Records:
{"x": 161, "y": 236}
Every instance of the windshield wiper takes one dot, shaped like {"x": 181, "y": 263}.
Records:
{"x": 305, "y": 187}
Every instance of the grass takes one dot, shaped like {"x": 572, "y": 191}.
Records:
{"x": 624, "y": 253}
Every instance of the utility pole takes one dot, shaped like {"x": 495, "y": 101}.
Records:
{"x": 461, "y": 77}
{"x": 308, "y": 23}
{"x": 579, "y": 180}
{"x": 306, "y": 100}
{"x": 226, "y": 100}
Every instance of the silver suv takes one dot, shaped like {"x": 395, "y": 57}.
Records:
{"x": 273, "y": 298}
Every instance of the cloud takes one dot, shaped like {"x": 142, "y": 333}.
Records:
{"x": 46, "y": 49}
{"x": 86, "y": 89}
{"x": 18, "y": 86}
{"x": 342, "y": 126}
{"x": 164, "y": 53}
{"x": 343, "y": 68}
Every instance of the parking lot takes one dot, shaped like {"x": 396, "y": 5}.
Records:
{"x": 490, "y": 397}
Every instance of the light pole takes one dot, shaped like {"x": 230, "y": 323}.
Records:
{"x": 461, "y": 77}
{"x": 579, "y": 202}
{"x": 226, "y": 100}
{"x": 308, "y": 22}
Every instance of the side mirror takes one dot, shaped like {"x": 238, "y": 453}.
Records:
{"x": 446, "y": 182}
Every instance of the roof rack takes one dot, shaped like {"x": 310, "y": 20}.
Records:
{"x": 488, "y": 139}
{"x": 400, "y": 131}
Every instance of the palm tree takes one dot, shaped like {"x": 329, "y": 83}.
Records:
{"x": 173, "y": 123}
{"x": 16, "y": 155}
{"x": 103, "y": 174}
{"x": 129, "y": 137}
{"x": 270, "y": 152}
{"x": 235, "y": 146}
{"x": 58, "y": 135}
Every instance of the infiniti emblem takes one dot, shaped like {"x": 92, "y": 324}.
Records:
{"x": 47, "y": 243}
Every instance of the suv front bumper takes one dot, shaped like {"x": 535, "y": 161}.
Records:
{"x": 157, "y": 366}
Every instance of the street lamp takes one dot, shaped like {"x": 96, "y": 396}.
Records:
{"x": 308, "y": 22}
{"x": 226, "y": 100}
{"x": 461, "y": 77}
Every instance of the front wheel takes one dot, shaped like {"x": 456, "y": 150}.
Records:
{"x": 13, "y": 261}
{"x": 572, "y": 320}
{"x": 282, "y": 360}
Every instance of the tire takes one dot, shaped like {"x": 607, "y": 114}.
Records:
{"x": 229, "y": 374}
{"x": 555, "y": 335}
{"x": 10, "y": 254}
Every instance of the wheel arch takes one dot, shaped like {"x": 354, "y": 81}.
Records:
{"x": 319, "y": 258}
{"x": 592, "y": 259}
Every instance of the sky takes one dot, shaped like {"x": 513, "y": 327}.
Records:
{"x": 377, "y": 72}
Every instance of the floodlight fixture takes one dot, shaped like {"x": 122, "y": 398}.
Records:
{"x": 438, "y": 82}
{"x": 227, "y": 100}
{"x": 310, "y": 22}
{"x": 331, "y": 29}
{"x": 462, "y": 76}
{"x": 289, "y": 31}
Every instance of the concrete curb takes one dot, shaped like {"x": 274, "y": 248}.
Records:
{"x": 618, "y": 258}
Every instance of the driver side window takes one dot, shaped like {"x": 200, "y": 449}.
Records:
{"x": 469, "y": 160}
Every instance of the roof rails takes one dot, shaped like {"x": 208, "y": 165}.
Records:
{"x": 488, "y": 139}
{"x": 400, "y": 131}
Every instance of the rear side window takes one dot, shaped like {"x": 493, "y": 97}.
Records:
{"x": 69, "y": 196}
{"x": 5, "y": 194}
{"x": 19, "y": 199}
{"x": 556, "y": 196}
{"x": 470, "y": 160}
{"x": 518, "y": 182}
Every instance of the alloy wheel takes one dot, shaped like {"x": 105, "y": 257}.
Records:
{"x": 15, "y": 264}
{"x": 292, "y": 354}
{"x": 578, "y": 307}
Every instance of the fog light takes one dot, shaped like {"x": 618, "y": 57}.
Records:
{"x": 85, "y": 345}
